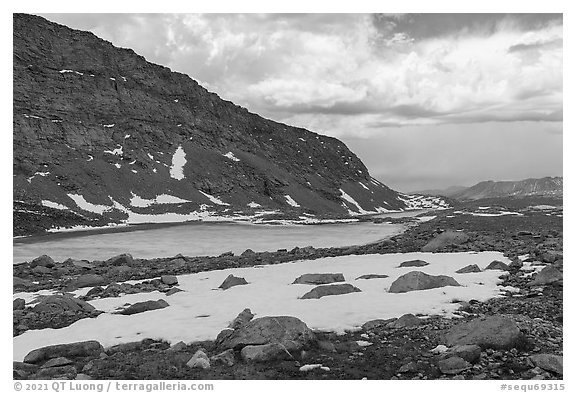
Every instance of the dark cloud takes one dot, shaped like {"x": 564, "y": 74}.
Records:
{"x": 540, "y": 45}
{"x": 424, "y": 26}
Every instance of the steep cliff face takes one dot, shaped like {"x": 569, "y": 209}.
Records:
{"x": 99, "y": 129}
{"x": 546, "y": 186}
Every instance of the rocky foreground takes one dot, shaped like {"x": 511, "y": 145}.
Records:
{"x": 518, "y": 336}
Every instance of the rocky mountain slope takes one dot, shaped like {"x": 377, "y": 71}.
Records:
{"x": 545, "y": 187}
{"x": 99, "y": 131}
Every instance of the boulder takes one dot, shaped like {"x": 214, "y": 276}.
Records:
{"x": 444, "y": 239}
{"x": 232, "y": 281}
{"x": 57, "y": 362}
{"x": 169, "y": 280}
{"x": 330, "y": 290}
{"x": 83, "y": 264}
{"x": 469, "y": 352}
{"x": 497, "y": 265}
{"x": 548, "y": 362}
{"x": 73, "y": 350}
{"x": 496, "y": 332}
{"x": 86, "y": 280}
{"x": 291, "y": 332}
{"x": 18, "y": 304}
{"x": 44, "y": 261}
{"x": 548, "y": 275}
{"x": 119, "y": 271}
{"x": 469, "y": 269}
{"x": 371, "y": 276}
{"x": 61, "y": 303}
{"x": 242, "y": 319}
{"x": 172, "y": 291}
{"x": 377, "y": 323}
{"x": 319, "y": 278}
{"x": 22, "y": 370}
{"x": 148, "y": 305}
{"x": 417, "y": 281}
{"x": 225, "y": 358}
{"x": 405, "y": 321}
{"x": 122, "y": 259}
{"x": 453, "y": 365}
{"x": 414, "y": 263}
{"x": 199, "y": 360}
{"x": 62, "y": 372}
{"x": 265, "y": 353}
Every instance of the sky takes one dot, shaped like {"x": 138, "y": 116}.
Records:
{"x": 425, "y": 100}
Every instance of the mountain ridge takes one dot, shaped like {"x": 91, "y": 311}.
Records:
{"x": 99, "y": 130}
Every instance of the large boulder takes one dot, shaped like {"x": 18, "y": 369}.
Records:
{"x": 445, "y": 239}
{"x": 148, "y": 305}
{"x": 169, "y": 280}
{"x": 414, "y": 263}
{"x": 319, "y": 278}
{"x": 548, "y": 275}
{"x": 291, "y": 332}
{"x": 496, "y": 332}
{"x": 330, "y": 290}
{"x": 86, "y": 280}
{"x": 469, "y": 269}
{"x": 548, "y": 362}
{"x": 122, "y": 259}
{"x": 497, "y": 265}
{"x": 417, "y": 281}
{"x": 405, "y": 321}
{"x": 242, "y": 319}
{"x": 56, "y": 304}
{"x": 232, "y": 281}
{"x": 265, "y": 353}
{"x": 18, "y": 304}
{"x": 73, "y": 350}
{"x": 44, "y": 261}
{"x": 453, "y": 365}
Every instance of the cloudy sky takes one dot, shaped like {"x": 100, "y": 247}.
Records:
{"x": 425, "y": 100}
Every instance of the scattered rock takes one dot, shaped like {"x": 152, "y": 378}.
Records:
{"x": 371, "y": 276}
{"x": 416, "y": 281}
{"x": 44, "y": 261}
{"x": 488, "y": 332}
{"x": 319, "y": 278}
{"x": 408, "y": 368}
{"x": 232, "y": 281}
{"x": 73, "y": 350}
{"x": 265, "y": 352}
{"x": 414, "y": 263}
{"x": 406, "y": 320}
{"x": 453, "y": 365}
{"x": 199, "y": 360}
{"x": 148, "y": 305}
{"x": 242, "y": 319}
{"x": 377, "y": 323}
{"x": 63, "y": 372}
{"x": 169, "y": 280}
{"x": 20, "y": 283}
{"x": 497, "y": 265}
{"x": 444, "y": 239}
{"x": 548, "y": 275}
{"x": 469, "y": 269}
{"x": 291, "y": 332}
{"x": 226, "y": 358}
{"x": 41, "y": 270}
{"x": 330, "y": 290}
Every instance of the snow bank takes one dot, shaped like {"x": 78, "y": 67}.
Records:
{"x": 291, "y": 201}
{"x": 54, "y": 205}
{"x": 213, "y": 199}
{"x": 90, "y": 207}
{"x": 270, "y": 292}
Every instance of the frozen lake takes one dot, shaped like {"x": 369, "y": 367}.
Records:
{"x": 195, "y": 239}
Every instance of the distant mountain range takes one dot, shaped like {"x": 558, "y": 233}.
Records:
{"x": 546, "y": 186}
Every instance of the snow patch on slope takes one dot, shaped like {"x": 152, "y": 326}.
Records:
{"x": 178, "y": 162}
{"x": 213, "y": 199}
{"x": 291, "y": 201}
{"x": 90, "y": 207}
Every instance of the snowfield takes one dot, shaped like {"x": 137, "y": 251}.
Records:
{"x": 203, "y": 310}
